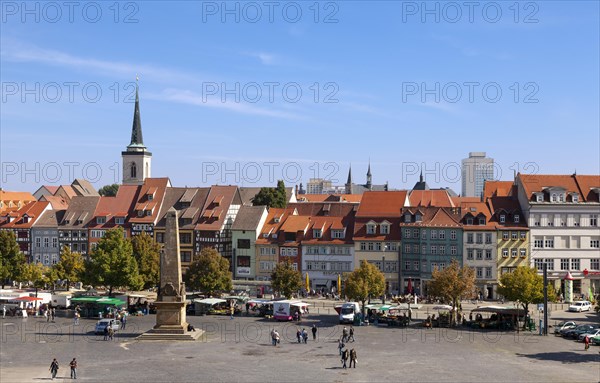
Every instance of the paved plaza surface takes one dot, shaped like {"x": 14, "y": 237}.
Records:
{"x": 240, "y": 350}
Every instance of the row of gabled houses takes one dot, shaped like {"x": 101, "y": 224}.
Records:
{"x": 533, "y": 220}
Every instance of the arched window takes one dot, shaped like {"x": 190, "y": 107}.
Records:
{"x": 133, "y": 170}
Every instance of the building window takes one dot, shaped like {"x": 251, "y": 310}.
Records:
{"x": 479, "y": 237}
{"x": 594, "y": 220}
{"x": 317, "y": 233}
{"x": 595, "y": 264}
{"x": 452, "y": 234}
{"x": 407, "y": 233}
{"x": 539, "y": 198}
{"x": 407, "y": 218}
{"x": 453, "y": 250}
{"x": 488, "y": 272}
{"x": 407, "y": 249}
{"x": 517, "y": 218}
{"x": 538, "y": 243}
{"x": 415, "y": 249}
{"x": 378, "y": 246}
{"x": 505, "y": 252}
{"x": 523, "y": 235}
{"x": 423, "y": 234}
{"x": 46, "y": 242}
{"x": 433, "y": 234}
{"x": 514, "y": 235}
{"x": 469, "y": 221}
{"x": 433, "y": 266}
{"x": 479, "y": 272}
{"x": 433, "y": 249}
{"x": 479, "y": 254}
{"x": 54, "y": 242}
{"x": 513, "y": 253}
{"x": 243, "y": 243}
{"x": 539, "y": 264}
{"x": 488, "y": 254}
{"x": 442, "y": 250}
{"x": 523, "y": 252}
{"x": 416, "y": 233}
{"x": 423, "y": 249}
{"x": 481, "y": 221}
{"x": 406, "y": 265}
{"x": 549, "y": 264}
{"x": 442, "y": 234}
{"x": 575, "y": 264}
{"x": 564, "y": 263}
{"x": 363, "y": 246}
{"x": 469, "y": 237}
{"x": 370, "y": 229}
{"x": 593, "y": 243}
{"x": 385, "y": 229}
{"x": 416, "y": 265}
{"x": 370, "y": 246}
{"x": 470, "y": 254}
{"x": 339, "y": 234}
{"x": 549, "y": 243}
{"x": 100, "y": 220}
{"x": 505, "y": 235}
{"x": 488, "y": 238}
{"x": 38, "y": 242}
{"x": 502, "y": 218}
{"x": 119, "y": 220}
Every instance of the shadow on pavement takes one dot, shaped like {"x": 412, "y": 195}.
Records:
{"x": 566, "y": 356}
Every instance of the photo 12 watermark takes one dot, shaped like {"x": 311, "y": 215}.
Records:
{"x": 266, "y": 172}
{"x": 253, "y": 12}
{"x": 470, "y": 92}
{"x": 270, "y": 92}
{"x": 56, "y": 172}
{"x": 53, "y": 92}
{"x": 52, "y": 12}
{"x": 452, "y": 12}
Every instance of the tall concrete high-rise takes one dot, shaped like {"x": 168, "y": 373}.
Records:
{"x": 475, "y": 171}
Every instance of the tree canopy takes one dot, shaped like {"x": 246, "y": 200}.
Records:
{"x": 11, "y": 258}
{"x": 452, "y": 284}
{"x": 109, "y": 190}
{"x": 70, "y": 267}
{"x": 112, "y": 263}
{"x": 271, "y": 197}
{"x": 147, "y": 254}
{"x": 286, "y": 280}
{"x": 36, "y": 274}
{"x": 209, "y": 273}
{"x": 525, "y": 285}
{"x": 364, "y": 282}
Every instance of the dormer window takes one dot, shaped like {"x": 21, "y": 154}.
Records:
{"x": 276, "y": 219}
{"x": 539, "y": 197}
{"x": 517, "y": 218}
{"x": 385, "y": 228}
{"x": 25, "y": 218}
{"x": 140, "y": 213}
{"x": 418, "y": 217}
{"x": 502, "y": 218}
{"x": 339, "y": 234}
{"x": 407, "y": 218}
{"x": 561, "y": 198}
{"x": 575, "y": 197}
{"x": 371, "y": 228}
{"x": 469, "y": 221}
{"x": 150, "y": 197}
{"x": 553, "y": 197}
{"x": 148, "y": 213}
{"x": 317, "y": 233}
{"x": 481, "y": 220}
{"x": 100, "y": 220}
{"x": 119, "y": 220}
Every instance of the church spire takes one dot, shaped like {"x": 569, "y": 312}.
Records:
{"x": 136, "y": 130}
{"x": 349, "y": 175}
{"x": 369, "y": 177}
{"x": 421, "y": 177}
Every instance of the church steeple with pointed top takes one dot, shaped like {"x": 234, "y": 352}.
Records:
{"x": 369, "y": 177}
{"x": 348, "y": 185}
{"x": 136, "y": 159}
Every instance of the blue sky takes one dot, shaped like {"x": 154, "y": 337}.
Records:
{"x": 388, "y": 76}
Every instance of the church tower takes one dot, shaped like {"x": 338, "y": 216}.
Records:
{"x": 349, "y": 181}
{"x": 137, "y": 160}
{"x": 369, "y": 184}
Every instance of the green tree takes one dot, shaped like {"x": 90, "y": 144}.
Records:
{"x": 271, "y": 197}
{"x": 70, "y": 266}
{"x": 452, "y": 284}
{"x": 109, "y": 190}
{"x": 209, "y": 273}
{"x": 364, "y": 282}
{"x": 112, "y": 263}
{"x": 11, "y": 258}
{"x": 286, "y": 280}
{"x": 33, "y": 274}
{"x": 147, "y": 254}
{"x": 524, "y": 285}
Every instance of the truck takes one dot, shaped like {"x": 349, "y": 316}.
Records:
{"x": 285, "y": 309}
{"x": 61, "y": 300}
{"x": 347, "y": 312}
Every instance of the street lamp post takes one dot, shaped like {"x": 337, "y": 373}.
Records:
{"x": 384, "y": 276}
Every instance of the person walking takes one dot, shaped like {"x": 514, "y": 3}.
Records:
{"x": 353, "y": 358}
{"x": 123, "y": 321}
{"x": 73, "y": 366}
{"x": 299, "y": 335}
{"x": 344, "y": 358}
{"x": 344, "y": 334}
{"x": 3, "y": 311}
{"x": 351, "y": 336}
{"x": 76, "y": 318}
{"x": 277, "y": 338}
{"x": 273, "y": 339}
{"x": 231, "y": 311}
{"x": 341, "y": 346}
{"x": 53, "y": 314}
{"x": 106, "y": 332}
{"x": 314, "y": 331}
{"x": 305, "y": 336}
{"x": 111, "y": 332}
{"x": 54, "y": 368}
{"x": 586, "y": 341}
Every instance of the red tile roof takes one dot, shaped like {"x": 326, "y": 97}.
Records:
{"x": 437, "y": 198}
{"x": 159, "y": 186}
{"x": 382, "y": 203}
{"x": 16, "y": 198}
{"x": 216, "y": 206}
{"x": 32, "y": 210}
{"x": 348, "y": 198}
{"x": 499, "y": 188}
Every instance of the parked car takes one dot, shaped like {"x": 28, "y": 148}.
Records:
{"x": 581, "y": 329}
{"x": 566, "y": 325}
{"x": 103, "y": 323}
{"x": 580, "y": 306}
{"x": 591, "y": 334}
{"x": 596, "y": 340}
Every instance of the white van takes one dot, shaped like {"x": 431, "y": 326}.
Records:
{"x": 348, "y": 311}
